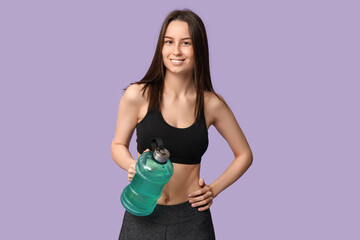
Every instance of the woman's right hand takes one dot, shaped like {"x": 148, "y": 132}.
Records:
{"x": 131, "y": 170}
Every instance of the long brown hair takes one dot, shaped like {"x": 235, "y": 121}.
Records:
{"x": 154, "y": 78}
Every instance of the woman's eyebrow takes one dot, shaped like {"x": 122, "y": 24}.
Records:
{"x": 180, "y": 39}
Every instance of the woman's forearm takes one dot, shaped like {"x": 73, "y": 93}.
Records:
{"x": 234, "y": 171}
{"x": 121, "y": 155}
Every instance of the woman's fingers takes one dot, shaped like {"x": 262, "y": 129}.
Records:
{"x": 201, "y": 182}
{"x": 203, "y": 202}
{"x": 197, "y": 193}
{"x": 205, "y": 207}
{"x": 200, "y": 191}
{"x": 131, "y": 171}
{"x": 202, "y": 197}
{"x": 130, "y": 177}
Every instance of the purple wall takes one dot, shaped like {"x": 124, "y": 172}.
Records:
{"x": 289, "y": 71}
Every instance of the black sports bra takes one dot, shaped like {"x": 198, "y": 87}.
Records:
{"x": 186, "y": 145}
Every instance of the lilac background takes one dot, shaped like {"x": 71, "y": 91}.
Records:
{"x": 288, "y": 69}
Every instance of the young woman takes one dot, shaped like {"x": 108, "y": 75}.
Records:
{"x": 176, "y": 102}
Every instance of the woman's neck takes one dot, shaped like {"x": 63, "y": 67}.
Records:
{"x": 179, "y": 85}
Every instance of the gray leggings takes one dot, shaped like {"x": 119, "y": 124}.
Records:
{"x": 180, "y": 221}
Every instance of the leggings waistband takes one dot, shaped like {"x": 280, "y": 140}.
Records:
{"x": 173, "y": 214}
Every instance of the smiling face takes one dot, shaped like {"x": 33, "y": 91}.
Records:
{"x": 177, "y": 51}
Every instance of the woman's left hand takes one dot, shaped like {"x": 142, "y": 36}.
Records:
{"x": 202, "y": 197}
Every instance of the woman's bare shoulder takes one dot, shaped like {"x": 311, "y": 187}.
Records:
{"x": 212, "y": 102}
{"x": 212, "y": 105}
{"x": 134, "y": 94}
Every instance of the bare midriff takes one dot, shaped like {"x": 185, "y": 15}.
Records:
{"x": 184, "y": 181}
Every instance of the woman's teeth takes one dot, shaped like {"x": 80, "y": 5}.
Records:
{"x": 177, "y": 60}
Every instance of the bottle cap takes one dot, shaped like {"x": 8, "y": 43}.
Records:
{"x": 160, "y": 154}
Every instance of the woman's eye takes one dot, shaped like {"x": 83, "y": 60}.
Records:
{"x": 170, "y": 42}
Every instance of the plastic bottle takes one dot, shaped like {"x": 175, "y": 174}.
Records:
{"x": 153, "y": 170}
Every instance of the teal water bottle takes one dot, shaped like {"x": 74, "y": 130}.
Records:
{"x": 152, "y": 171}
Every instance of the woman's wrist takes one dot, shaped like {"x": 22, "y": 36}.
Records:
{"x": 214, "y": 189}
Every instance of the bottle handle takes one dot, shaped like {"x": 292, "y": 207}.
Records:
{"x": 157, "y": 143}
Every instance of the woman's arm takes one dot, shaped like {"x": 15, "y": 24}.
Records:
{"x": 225, "y": 122}
{"x": 125, "y": 126}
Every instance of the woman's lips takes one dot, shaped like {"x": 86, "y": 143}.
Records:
{"x": 177, "y": 61}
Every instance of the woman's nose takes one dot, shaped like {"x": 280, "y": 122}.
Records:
{"x": 176, "y": 50}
